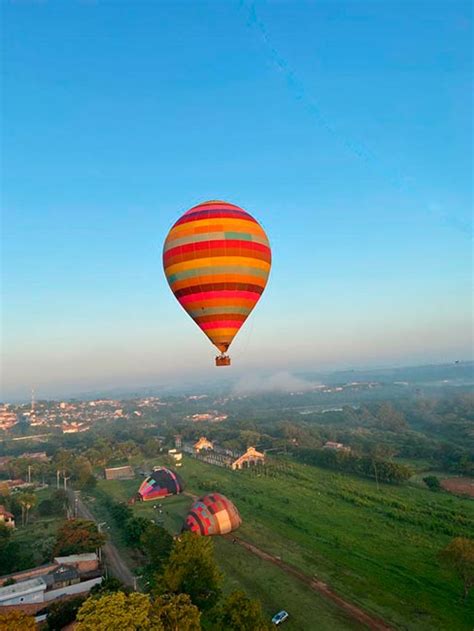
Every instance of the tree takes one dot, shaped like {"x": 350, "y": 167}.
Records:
{"x": 240, "y": 613}
{"x": 191, "y": 569}
{"x": 16, "y": 621}
{"x": 46, "y": 508}
{"x": 175, "y": 612}
{"x": 157, "y": 544}
{"x": 108, "y": 585}
{"x": 133, "y": 530}
{"x": 60, "y": 501}
{"x": 76, "y": 536}
{"x": 432, "y": 482}
{"x": 63, "y": 612}
{"x": 458, "y": 555}
{"x": 116, "y": 611}
{"x": 27, "y": 502}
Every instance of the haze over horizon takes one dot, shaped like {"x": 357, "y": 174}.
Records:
{"x": 117, "y": 121}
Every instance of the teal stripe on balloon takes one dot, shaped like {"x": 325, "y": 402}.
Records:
{"x": 218, "y": 311}
{"x": 218, "y": 269}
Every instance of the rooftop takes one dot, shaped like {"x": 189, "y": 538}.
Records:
{"x": 3, "y": 511}
{"x": 22, "y": 588}
{"x": 75, "y": 558}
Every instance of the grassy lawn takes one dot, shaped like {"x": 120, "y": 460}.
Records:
{"x": 276, "y": 590}
{"x": 379, "y": 549}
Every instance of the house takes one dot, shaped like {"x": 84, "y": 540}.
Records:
{"x": 250, "y": 458}
{"x": 31, "y": 591}
{"x": 74, "y": 427}
{"x": 119, "y": 473}
{"x": 207, "y": 452}
{"x": 7, "y": 419}
{"x": 62, "y": 576}
{"x": 6, "y": 518}
{"x": 176, "y": 455}
{"x": 39, "y": 456}
{"x": 201, "y": 444}
{"x": 83, "y": 563}
{"x": 336, "y": 446}
{"x": 4, "y": 460}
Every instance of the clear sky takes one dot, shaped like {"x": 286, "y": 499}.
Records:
{"x": 344, "y": 127}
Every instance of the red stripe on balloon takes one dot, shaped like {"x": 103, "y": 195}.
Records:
{"x": 217, "y": 243}
{"x": 221, "y": 324}
{"x": 223, "y": 294}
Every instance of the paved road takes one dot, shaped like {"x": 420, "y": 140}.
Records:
{"x": 115, "y": 564}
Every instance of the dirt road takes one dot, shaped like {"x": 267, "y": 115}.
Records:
{"x": 114, "y": 562}
{"x": 354, "y": 612}
{"x": 371, "y": 622}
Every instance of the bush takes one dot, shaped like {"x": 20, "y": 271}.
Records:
{"x": 63, "y": 613}
{"x": 46, "y": 508}
{"x": 432, "y": 482}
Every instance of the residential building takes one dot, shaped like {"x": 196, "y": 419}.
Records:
{"x": 25, "y": 592}
{"x": 119, "y": 473}
{"x": 6, "y": 518}
{"x": 336, "y": 446}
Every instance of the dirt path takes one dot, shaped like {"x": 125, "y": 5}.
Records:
{"x": 353, "y": 611}
{"x": 115, "y": 564}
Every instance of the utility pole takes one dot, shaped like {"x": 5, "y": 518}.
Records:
{"x": 65, "y": 479}
{"x": 99, "y": 528}
{"x": 57, "y": 478}
{"x": 29, "y": 474}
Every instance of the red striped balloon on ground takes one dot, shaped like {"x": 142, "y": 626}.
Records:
{"x": 217, "y": 260}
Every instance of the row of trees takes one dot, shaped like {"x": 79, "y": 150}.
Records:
{"x": 369, "y": 466}
{"x": 187, "y": 590}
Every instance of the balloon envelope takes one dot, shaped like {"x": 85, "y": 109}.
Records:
{"x": 212, "y": 514}
{"x": 217, "y": 259}
{"x": 160, "y": 483}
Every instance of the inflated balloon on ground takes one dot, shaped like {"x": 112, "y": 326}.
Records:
{"x": 160, "y": 483}
{"x": 212, "y": 514}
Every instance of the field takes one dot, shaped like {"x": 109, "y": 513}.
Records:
{"x": 460, "y": 486}
{"x": 377, "y": 549}
{"x": 241, "y": 569}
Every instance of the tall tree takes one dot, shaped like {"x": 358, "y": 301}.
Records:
{"x": 116, "y": 611}
{"x": 240, "y": 613}
{"x": 16, "y": 621}
{"x": 157, "y": 544}
{"x": 459, "y": 556}
{"x": 175, "y": 612}
{"x": 27, "y": 502}
{"x": 76, "y": 536}
{"x": 192, "y": 570}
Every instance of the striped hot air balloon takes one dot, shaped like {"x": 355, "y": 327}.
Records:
{"x": 212, "y": 514}
{"x": 217, "y": 259}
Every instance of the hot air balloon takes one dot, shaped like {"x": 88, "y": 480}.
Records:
{"x": 160, "y": 483}
{"x": 212, "y": 514}
{"x": 217, "y": 259}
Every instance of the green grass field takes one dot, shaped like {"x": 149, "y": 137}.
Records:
{"x": 241, "y": 569}
{"x": 378, "y": 549}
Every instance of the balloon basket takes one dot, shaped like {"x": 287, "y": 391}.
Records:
{"x": 222, "y": 360}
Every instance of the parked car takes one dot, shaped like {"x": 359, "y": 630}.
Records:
{"x": 280, "y": 617}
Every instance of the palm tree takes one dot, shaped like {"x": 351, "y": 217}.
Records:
{"x": 27, "y": 501}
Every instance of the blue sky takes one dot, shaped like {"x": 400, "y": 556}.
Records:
{"x": 344, "y": 127}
